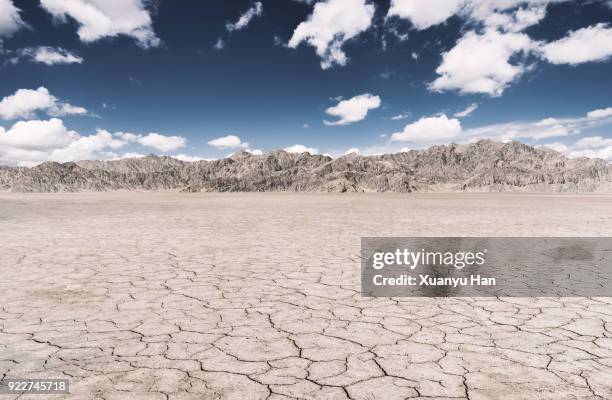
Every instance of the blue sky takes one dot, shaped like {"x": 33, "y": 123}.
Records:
{"x": 95, "y": 78}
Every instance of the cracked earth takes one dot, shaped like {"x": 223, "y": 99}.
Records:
{"x": 256, "y": 296}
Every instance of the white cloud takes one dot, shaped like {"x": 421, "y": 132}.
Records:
{"x": 547, "y": 122}
{"x": 127, "y": 137}
{"x": 593, "y": 43}
{"x": 132, "y": 155}
{"x": 256, "y": 10}
{"x": 331, "y": 24}
{"x": 300, "y": 148}
{"x": 36, "y": 135}
{"x": 99, "y": 19}
{"x": 24, "y": 103}
{"x": 219, "y": 44}
{"x": 556, "y": 146}
{"x": 10, "y": 21}
{"x": 86, "y": 148}
{"x": 352, "y": 110}
{"x": 507, "y": 15}
{"x": 514, "y": 21}
{"x": 400, "y": 116}
{"x": 162, "y": 142}
{"x": 592, "y": 142}
{"x": 154, "y": 140}
{"x": 255, "y": 152}
{"x": 524, "y": 130}
{"x": 32, "y": 142}
{"x": 440, "y": 129}
{"x": 186, "y": 158}
{"x": 425, "y": 13}
{"x": 592, "y": 147}
{"x": 467, "y": 111}
{"x": 63, "y": 109}
{"x": 539, "y": 130}
{"x": 29, "y": 143}
{"x": 47, "y": 55}
{"x": 228, "y": 142}
{"x": 352, "y": 150}
{"x": 604, "y": 153}
{"x": 429, "y": 129}
{"x": 600, "y": 113}
{"x": 480, "y": 63}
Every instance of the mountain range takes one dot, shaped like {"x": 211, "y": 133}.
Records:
{"x": 482, "y": 166}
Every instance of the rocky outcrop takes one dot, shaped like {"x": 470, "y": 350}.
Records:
{"x": 481, "y": 166}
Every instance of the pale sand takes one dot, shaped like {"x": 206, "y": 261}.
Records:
{"x": 205, "y": 296}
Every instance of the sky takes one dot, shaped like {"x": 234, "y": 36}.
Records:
{"x": 108, "y": 79}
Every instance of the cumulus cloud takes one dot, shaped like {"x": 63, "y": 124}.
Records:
{"x": 593, "y": 43}
{"x": 47, "y": 55}
{"x": 487, "y": 59}
{"x": 300, "y": 148}
{"x": 331, "y": 24}
{"x": 480, "y": 63}
{"x": 429, "y": 129}
{"x": 256, "y": 10}
{"x": 600, "y": 113}
{"x": 153, "y": 140}
{"x": 37, "y": 135}
{"x": 99, "y": 19}
{"x": 10, "y": 21}
{"x": 352, "y": 110}
{"x": 425, "y": 13}
{"x": 162, "y": 142}
{"x": 32, "y": 142}
{"x": 467, "y": 111}
{"x": 87, "y": 148}
{"x": 24, "y": 103}
{"x": 228, "y": 142}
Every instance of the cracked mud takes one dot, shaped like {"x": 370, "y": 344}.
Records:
{"x": 256, "y": 296}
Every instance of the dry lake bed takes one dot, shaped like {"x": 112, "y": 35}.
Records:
{"x": 256, "y": 296}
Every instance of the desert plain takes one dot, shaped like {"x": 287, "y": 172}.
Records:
{"x": 165, "y": 295}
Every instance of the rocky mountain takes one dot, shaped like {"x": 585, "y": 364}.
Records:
{"x": 481, "y": 166}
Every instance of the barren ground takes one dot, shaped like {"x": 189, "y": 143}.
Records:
{"x": 254, "y": 296}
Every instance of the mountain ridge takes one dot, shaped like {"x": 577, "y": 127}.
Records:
{"x": 482, "y": 166}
